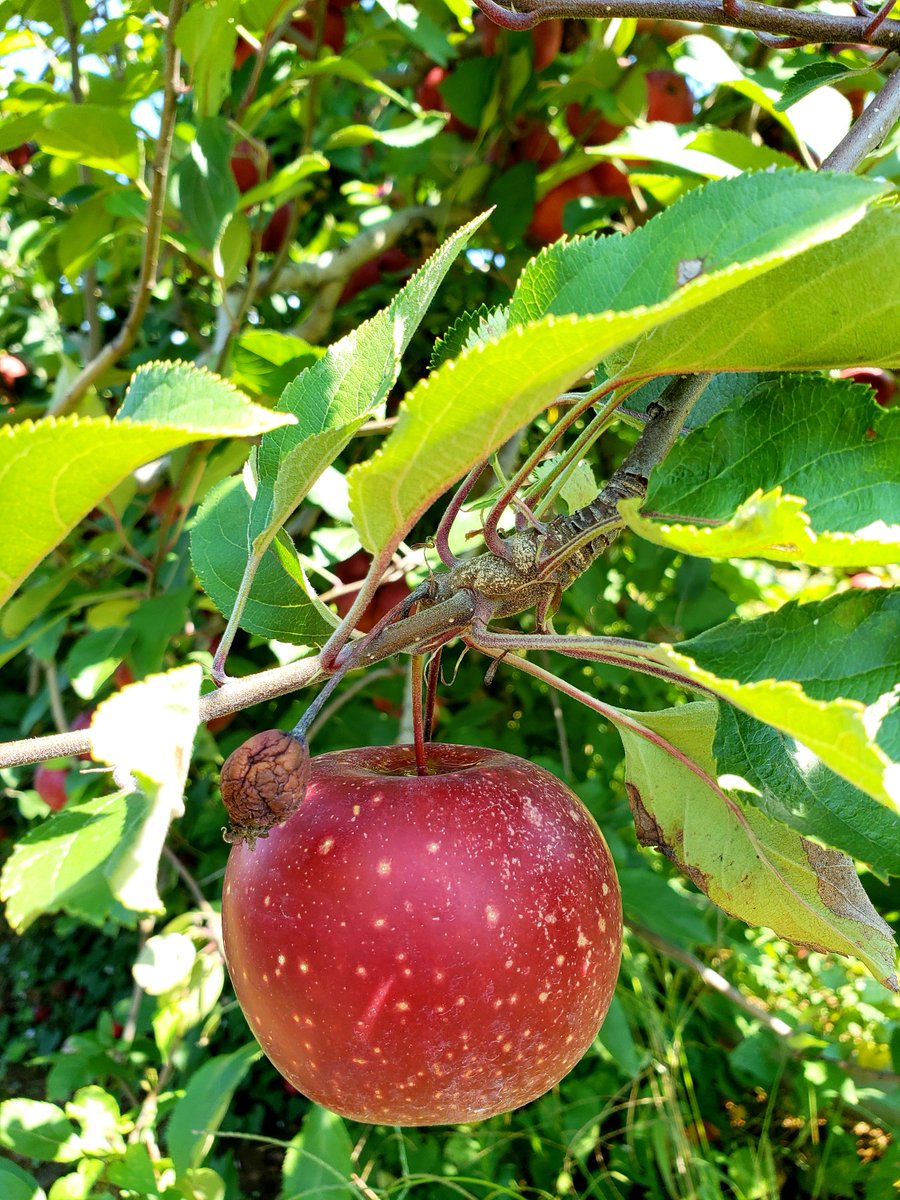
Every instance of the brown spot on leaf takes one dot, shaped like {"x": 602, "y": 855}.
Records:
{"x": 650, "y": 834}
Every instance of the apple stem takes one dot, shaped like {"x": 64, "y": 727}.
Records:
{"x": 417, "y": 679}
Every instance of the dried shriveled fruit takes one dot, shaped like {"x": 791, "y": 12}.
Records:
{"x": 263, "y": 782}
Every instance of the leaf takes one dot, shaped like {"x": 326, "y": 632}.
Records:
{"x": 286, "y": 183}
{"x": 163, "y": 962}
{"x": 333, "y": 397}
{"x": 37, "y": 1130}
{"x": 808, "y": 79}
{"x": 413, "y": 133}
{"x": 803, "y": 316}
{"x": 799, "y": 470}
{"x": 145, "y": 733}
{"x": 319, "y": 1160}
{"x": 101, "y": 858}
{"x": 200, "y": 1111}
{"x": 281, "y": 604}
{"x": 470, "y": 406}
{"x": 206, "y": 35}
{"x": 790, "y": 784}
{"x": 54, "y": 471}
{"x": 754, "y": 868}
{"x": 207, "y": 191}
{"x": 94, "y": 136}
{"x": 732, "y": 229}
{"x": 16, "y": 1184}
{"x": 824, "y": 673}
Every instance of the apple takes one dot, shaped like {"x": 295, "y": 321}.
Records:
{"x": 546, "y": 39}
{"x": 274, "y": 234}
{"x": 50, "y": 785}
{"x": 12, "y": 371}
{"x": 19, "y": 156}
{"x": 669, "y": 98}
{"x": 356, "y": 567}
{"x": 334, "y": 28}
{"x": 881, "y": 382}
{"x": 535, "y": 143}
{"x": 421, "y": 950}
{"x": 590, "y": 126}
{"x": 242, "y": 51}
{"x": 245, "y": 163}
{"x": 547, "y": 222}
{"x": 865, "y": 580}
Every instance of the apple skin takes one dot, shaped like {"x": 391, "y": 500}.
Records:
{"x": 547, "y": 222}
{"x": 275, "y": 233}
{"x": 882, "y": 383}
{"x": 425, "y": 950}
{"x": 669, "y": 98}
{"x": 50, "y": 785}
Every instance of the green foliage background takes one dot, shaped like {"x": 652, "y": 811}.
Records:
{"x": 732, "y": 1063}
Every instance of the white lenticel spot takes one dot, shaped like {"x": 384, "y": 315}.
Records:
{"x": 492, "y": 915}
{"x": 601, "y": 924}
{"x": 361, "y": 972}
{"x": 582, "y": 940}
{"x": 543, "y": 997}
{"x": 304, "y": 967}
{"x": 433, "y": 847}
{"x": 267, "y": 900}
{"x": 401, "y": 1006}
{"x": 460, "y": 1001}
{"x": 281, "y": 960}
{"x": 325, "y": 845}
{"x": 560, "y": 959}
{"x": 384, "y": 867}
{"x": 379, "y": 922}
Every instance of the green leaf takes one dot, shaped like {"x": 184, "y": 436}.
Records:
{"x": 808, "y": 79}
{"x": 287, "y": 182}
{"x": 420, "y": 29}
{"x": 16, "y": 1184}
{"x": 703, "y": 246}
{"x": 199, "y": 1113}
{"x": 754, "y": 868}
{"x": 803, "y": 316}
{"x": 332, "y": 398}
{"x": 824, "y": 673}
{"x": 281, "y": 603}
{"x": 319, "y": 1161}
{"x": 101, "y": 1122}
{"x": 413, "y": 133}
{"x": 791, "y": 785}
{"x": 94, "y": 136}
{"x": 145, "y": 733}
{"x": 207, "y": 191}
{"x": 54, "y": 471}
{"x": 470, "y": 406}
{"x": 101, "y": 859}
{"x": 206, "y": 35}
{"x": 37, "y": 1130}
{"x": 163, "y": 962}
{"x": 799, "y": 470}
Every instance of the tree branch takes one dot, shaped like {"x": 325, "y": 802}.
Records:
{"x": 871, "y": 128}
{"x": 126, "y": 336}
{"x": 806, "y": 27}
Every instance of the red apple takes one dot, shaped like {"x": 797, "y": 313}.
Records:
{"x": 245, "y": 163}
{"x": 610, "y": 180}
{"x": 12, "y": 371}
{"x": 420, "y": 950}
{"x": 535, "y": 143}
{"x": 865, "y": 580}
{"x": 590, "y": 126}
{"x": 242, "y": 51}
{"x": 50, "y": 785}
{"x": 19, "y": 156}
{"x": 547, "y": 222}
{"x": 546, "y": 39}
{"x": 669, "y": 98}
{"x": 351, "y": 570}
{"x": 334, "y": 29}
{"x": 488, "y": 32}
{"x": 276, "y": 231}
{"x": 881, "y": 382}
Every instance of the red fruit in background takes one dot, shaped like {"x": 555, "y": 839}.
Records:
{"x": 356, "y": 567}
{"x": 669, "y": 98}
{"x": 547, "y": 222}
{"x": 123, "y": 675}
{"x": 536, "y": 144}
{"x": 547, "y": 41}
{"x": 334, "y": 28}
{"x": 12, "y": 371}
{"x": 428, "y": 93}
{"x": 242, "y": 51}
{"x": 866, "y": 580}
{"x": 19, "y": 156}
{"x": 590, "y": 126}
{"x": 50, "y": 785}
{"x": 610, "y": 180}
{"x": 244, "y": 164}
{"x": 881, "y": 382}
{"x": 83, "y": 721}
{"x": 425, "y": 950}
{"x": 488, "y": 33}
{"x": 276, "y": 231}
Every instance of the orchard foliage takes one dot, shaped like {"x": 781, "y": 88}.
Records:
{"x": 276, "y": 280}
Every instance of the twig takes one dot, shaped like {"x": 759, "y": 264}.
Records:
{"x": 126, "y": 336}
{"x": 565, "y": 757}
{"x": 56, "y": 705}
{"x": 870, "y": 129}
{"x": 213, "y": 920}
{"x": 808, "y": 27}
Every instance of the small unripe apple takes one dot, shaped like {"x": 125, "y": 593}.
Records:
{"x": 421, "y": 950}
